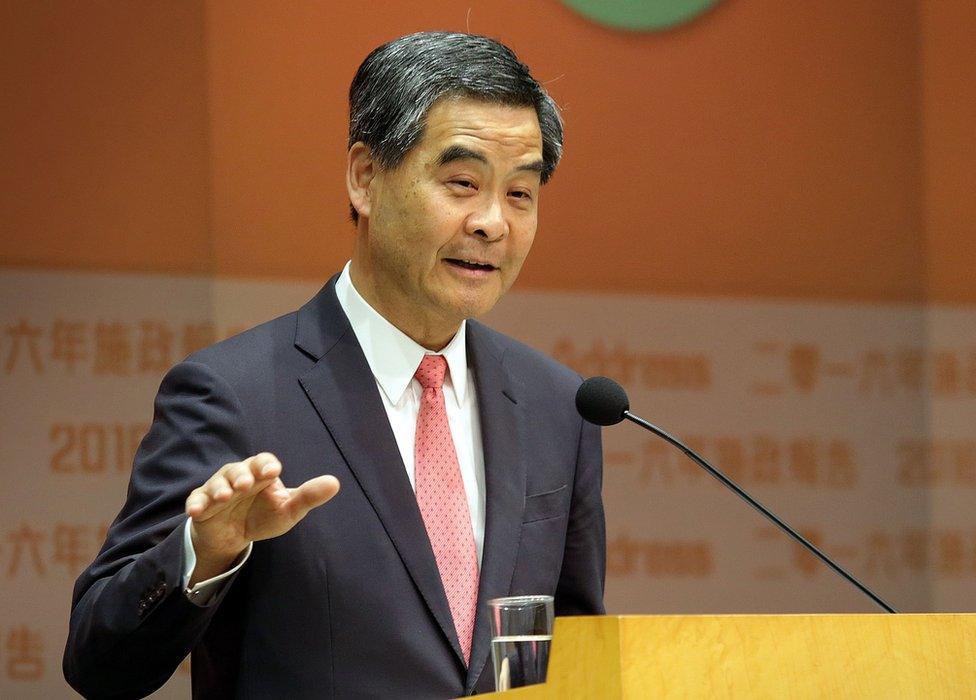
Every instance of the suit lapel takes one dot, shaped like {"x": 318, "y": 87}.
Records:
{"x": 501, "y": 429}
{"x": 343, "y": 391}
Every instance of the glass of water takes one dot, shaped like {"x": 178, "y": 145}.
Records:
{"x": 521, "y": 634}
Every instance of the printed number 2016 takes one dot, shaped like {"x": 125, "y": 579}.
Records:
{"x": 94, "y": 448}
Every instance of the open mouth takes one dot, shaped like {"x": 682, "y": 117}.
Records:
{"x": 470, "y": 264}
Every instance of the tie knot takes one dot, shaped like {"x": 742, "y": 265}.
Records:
{"x": 431, "y": 372}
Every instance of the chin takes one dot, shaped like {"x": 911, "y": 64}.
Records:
{"x": 471, "y": 309}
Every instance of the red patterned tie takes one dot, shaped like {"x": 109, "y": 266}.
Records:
{"x": 443, "y": 504}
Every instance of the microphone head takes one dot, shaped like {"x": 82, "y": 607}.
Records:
{"x": 602, "y": 401}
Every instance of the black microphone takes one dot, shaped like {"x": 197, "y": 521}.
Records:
{"x": 602, "y": 401}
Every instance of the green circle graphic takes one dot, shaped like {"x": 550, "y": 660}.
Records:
{"x": 640, "y": 15}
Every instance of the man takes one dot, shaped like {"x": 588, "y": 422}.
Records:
{"x": 466, "y": 473}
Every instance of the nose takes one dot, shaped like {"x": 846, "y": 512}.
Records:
{"x": 487, "y": 221}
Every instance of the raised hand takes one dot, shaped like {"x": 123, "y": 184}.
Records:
{"x": 244, "y": 502}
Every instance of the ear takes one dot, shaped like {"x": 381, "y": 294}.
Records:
{"x": 360, "y": 170}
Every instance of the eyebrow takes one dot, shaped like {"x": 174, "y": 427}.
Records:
{"x": 453, "y": 153}
{"x": 457, "y": 152}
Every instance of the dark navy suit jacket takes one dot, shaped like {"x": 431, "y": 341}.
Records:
{"x": 349, "y": 603}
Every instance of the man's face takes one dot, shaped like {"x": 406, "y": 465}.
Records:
{"x": 448, "y": 229}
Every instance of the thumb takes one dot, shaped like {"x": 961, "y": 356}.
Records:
{"x": 311, "y": 494}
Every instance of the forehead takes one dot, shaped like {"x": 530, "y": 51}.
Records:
{"x": 488, "y": 125}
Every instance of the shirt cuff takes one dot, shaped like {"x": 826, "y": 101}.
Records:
{"x": 203, "y": 593}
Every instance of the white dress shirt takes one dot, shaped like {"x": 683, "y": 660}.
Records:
{"x": 393, "y": 357}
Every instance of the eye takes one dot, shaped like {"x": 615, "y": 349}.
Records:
{"x": 522, "y": 195}
{"x": 462, "y": 182}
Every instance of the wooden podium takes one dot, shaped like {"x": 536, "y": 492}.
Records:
{"x": 761, "y": 656}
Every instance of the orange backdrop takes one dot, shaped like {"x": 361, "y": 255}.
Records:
{"x": 812, "y": 150}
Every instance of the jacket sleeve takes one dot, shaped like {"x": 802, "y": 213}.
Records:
{"x": 583, "y": 574}
{"x": 131, "y": 624}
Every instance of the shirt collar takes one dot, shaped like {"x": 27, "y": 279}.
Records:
{"x": 392, "y": 356}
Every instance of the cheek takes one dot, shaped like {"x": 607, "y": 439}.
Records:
{"x": 442, "y": 224}
{"x": 517, "y": 253}
{"x": 427, "y": 212}
{"x": 523, "y": 241}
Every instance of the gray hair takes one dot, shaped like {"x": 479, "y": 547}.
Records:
{"x": 400, "y": 81}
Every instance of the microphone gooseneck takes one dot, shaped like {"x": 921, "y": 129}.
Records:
{"x": 603, "y": 401}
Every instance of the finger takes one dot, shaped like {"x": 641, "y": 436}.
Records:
{"x": 218, "y": 488}
{"x": 264, "y": 466}
{"x": 255, "y": 473}
{"x": 239, "y": 475}
{"x": 311, "y": 494}
{"x": 218, "y": 495}
{"x": 197, "y": 502}
{"x": 233, "y": 482}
